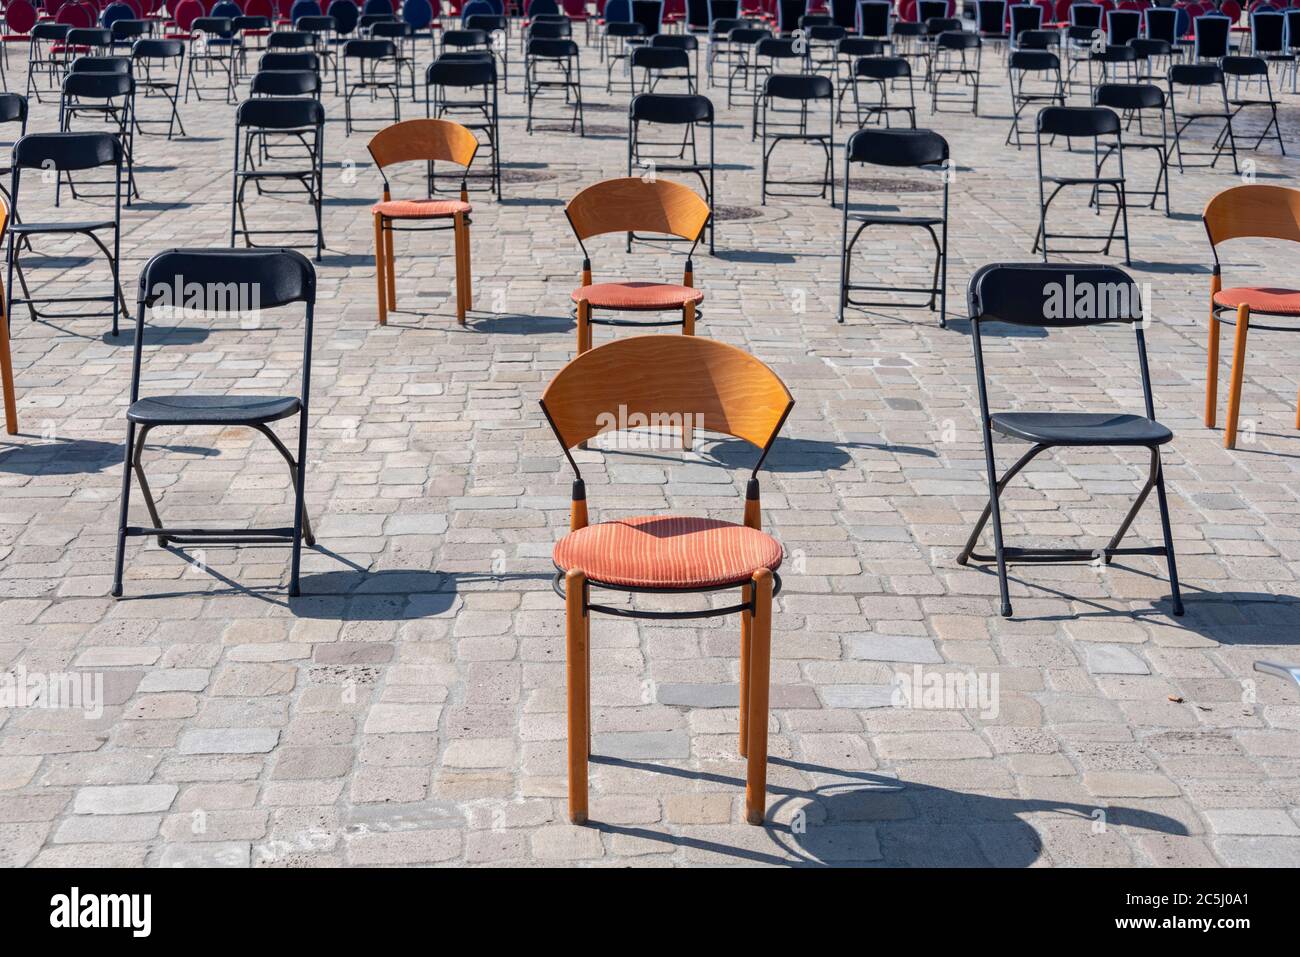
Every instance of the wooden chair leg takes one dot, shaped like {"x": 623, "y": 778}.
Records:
{"x": 688, "y": 319}
{"x": 746, "y": 625}
{"x": 459, "y": 235}
{"x": 1212, "y": 372}
{"x": 469, "y": 271}
{"x": 584, "y": 327}
{"x": 1238, "y": 370}
{"x": 578, "y": 680}
{"x": 760, "y": 663}
{"x": 391, "y": 269}
{"x": 381, "y": 271}
{"x": 7, "y": 372}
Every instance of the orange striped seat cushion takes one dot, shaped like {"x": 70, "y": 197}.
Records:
{"x": 637, "y": 295}
{"x": 420, "y": 208}
{"x": 1275, "y": 302}
{"x": 668, "y": 551}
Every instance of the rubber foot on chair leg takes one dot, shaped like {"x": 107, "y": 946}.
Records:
{"x": 1006, "y": 611}
{"x": 754, "y": 817}
{"x": 578, "y": 818}
{"x": 117, "y": 591}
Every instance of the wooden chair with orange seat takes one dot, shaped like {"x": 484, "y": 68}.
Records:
{"x": 635, "y": 205}
{"x": 1251, "y": 211}
{"x": 427, "y": 141}
{"x": 6, "y": 361}
{"x": 677, "y": 383}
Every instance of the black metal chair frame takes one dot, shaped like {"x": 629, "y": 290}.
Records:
{"x": 214, "y": 49}
{"x": 998, "y": 297}
{"x": 64, "y": 152}
{"x": 767, "y": 54}
{"x": 1251, "y": 67}
{"x": 374, "y": 59}
{"x": 285, "y": 83}
{"x": 951, "y": 46}
{"x": 402, "y": 34}
{"x": 554, "y": 64}
{"x": 45, "y": 59}
{"x": 145, "y": 53}
{"x": 1082, "y": 122}
{"x": 1134, "y": 101}
{"x": 905, "y": 149}
{"x": 301, "y": 119}
{"x": 481, "y": 114}
{"x": 107, "y": 98}
{"x": 687, "y": 110}
{"x": 805, "y": 89}
{"x": 658, "y": 64}
{"x": 883, "y": 72}
{"x": 283, "y": 277}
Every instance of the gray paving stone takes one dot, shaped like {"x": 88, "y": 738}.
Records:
{"x": 228, "y": 741}
{"x": 1112, "y": 660}
{"x": 125, "y": 799}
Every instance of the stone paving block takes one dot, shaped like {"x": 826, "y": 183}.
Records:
{"x": 125, "y": 799}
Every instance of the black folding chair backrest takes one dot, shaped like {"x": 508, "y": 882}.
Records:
{"x": 1086, "y": 15}
{"x": 882, "y": 68}
{"x": 1122, "y": 25}
{"x": 750, "y": 35}
{"x": 779, "y": 48}
{"x": 154, "y": 49}
{"x": 1026, "y": 294}
{"x": 806, "y": 86}
{"x": 291, "y": 40}
{"x": 724, "y": 10}
{"x": 1244, "y": 66}
{"x": 288, "y": 62}
{"x": 650, "y": 14}
{"x": 991, "y": 16}
{"x": 241, "y": 279}
{"x": 873, "y": 18}
{"x": 280, "y": 114}
{"x": 788, "y": 13}
{"x": 927, "y": 10}
{"x": 13, "y": 108}
{"x": 285, "y": 83}
{"x": 900, "y": 148}
{"x": 251, "y": 23}
{"x": 392, "y": 29}
{"x": 1162, "y": 24}
{"x": 697, "y": 14}
{"x": 89, "y": 37}
{"x": 461, "y": 39}
{"x": 1116, "y": 54}
{"x": 480, "y": 71}
{"x": 1038, "y": 40}
{"x": 1130, "y": 96}
{"x": 825, "y": 33}
{"x": 675, "y": 41}
{"x": 66, "y": 151}
{"x": 660, "y": 58}
{"x": 101, "y": 64}
{"x": 1032, "y": 61}
{"x": 1195, "y": 74}
{"x": 486, "y": 21}
{"x": 1211, "y": 36}
{"x": 1146, "y": 47}
{"x": 370, "y": 50}
{"x": 957, "y": 40}
{"x": 550, "y": 30}
{"x": 937, "y": 25}
{"x": 315, "y": 24}
{"x": 50, "y": 31}
{"x": 222, "y": 27}
{"x": 844, "y": 13}
{"x": 1025, "y": 16}
{"x": 1080, "y": 121}
{"x": 552, "y": 49}
{"x": 1293, "y": 28}
{"x": 1268, "y": 33}
{"x": 860, "y": 46}
{"x": 97, "y": 86}
{"x": 671, "y": 108}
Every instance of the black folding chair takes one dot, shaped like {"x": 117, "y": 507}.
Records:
{"x": 1035, "y": 78}
{"x": 1200, "y": 77}
{"x": 402, "y": 34}
{"x": 847, "y": 53}
{"x": 991, "y": 23}
{"x": 295, "y": 60}
{"x": 103, "y": 97}
{"x": 1102, "y": 126}
{"x": 149, "y": 66}
{"x": 956, "y": 60}
{"x": 1252, "y": 68}
{"x": 1025, "y": 18}
{"x": 234, "y": 281}
{"x": 900, "y": 149}
{"x": 882, "y": 73}
{"x": 213, "y": 51}
{"x": 737, "y": 53}
{"x": 770, "y": 54}
{"x": 45, "y": 59}
{"x": 13, "y": 109}
{"x": 497, "y": 29}
{"x": 378, "y": 72}
{"x": 552, "y": 65}
{"x": 1138, "y": 101}
{"x": 325, "y": 30}
{"x": 657, "y": 64}
{"x": 257, "y": 121}
{"x": 783, "y": 125}
{"x": 1063, "y": 296}
{"x": 466, "y": 91}
{"x": 648, "y": 156}
{"x": 681, "y": 41}
{"x": 64, "y": 152}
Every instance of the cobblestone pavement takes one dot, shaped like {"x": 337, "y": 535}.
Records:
{"x": 409, "y": 708}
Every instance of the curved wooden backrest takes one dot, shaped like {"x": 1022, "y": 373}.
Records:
{"x": 723, "y": 389}
{"x": 423, "y": 140}
{"x": 632, "y": 204}
{"x": 1270, "y": 212}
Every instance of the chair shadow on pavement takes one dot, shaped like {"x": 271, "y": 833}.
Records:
{"x": 874, "y": 819}
{"x": 55, "y": 456}
{"x": 799, "y": 455}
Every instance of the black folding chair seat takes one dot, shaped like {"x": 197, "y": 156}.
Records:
{"x": 61, "y": 226}
{"x": 1080, "y": 428}
{"x": 212, "y": 409}
{"x": 894, "y": 219}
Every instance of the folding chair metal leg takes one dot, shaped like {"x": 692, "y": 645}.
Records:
{"x": 1174, "y": 590}
{"x": 997, "y": 486}
{"x": 578, "y": 684}
{"x": 303, "y": 522}
{"x": 137, "y": 465}
{"x": 122, "y": 511}
{"x": 1238, "y": 372}
{"x": 760, "y": 660}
